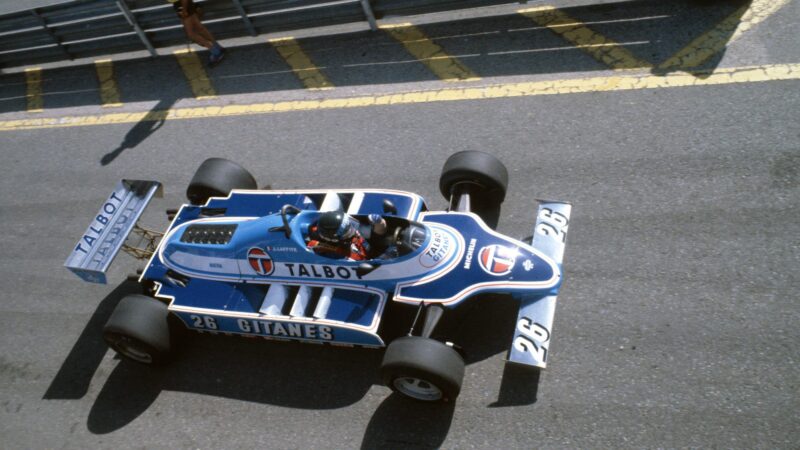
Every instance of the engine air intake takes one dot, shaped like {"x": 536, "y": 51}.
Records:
{"x": 208, "y": 234}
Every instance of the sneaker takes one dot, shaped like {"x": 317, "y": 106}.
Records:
{"x": 217, "y": 53}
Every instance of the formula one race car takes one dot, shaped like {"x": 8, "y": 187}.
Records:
{"x": 238, "y": 260}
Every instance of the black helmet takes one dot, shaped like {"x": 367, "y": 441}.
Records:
{"x": 336, "y": 226}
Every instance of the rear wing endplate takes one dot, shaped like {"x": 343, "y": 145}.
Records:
{"x": 535, "y": 317}
{"x": 108, "y": 231}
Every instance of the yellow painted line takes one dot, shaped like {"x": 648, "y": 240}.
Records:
{"x": 33, "y": 93}
{"x": 196, "y": 74}
{"x": 303, "y": 68}
{"x": 109, "y": 92}
{"x": 598, "y": 46}
{"x": 731, "y": 28}
{"x": 752, "y": 74}
{"x": 431, "y": 54}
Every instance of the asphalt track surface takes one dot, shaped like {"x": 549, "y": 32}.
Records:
{"x": 677, "y": 325}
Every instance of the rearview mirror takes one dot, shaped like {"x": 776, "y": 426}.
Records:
{"x": 389, "y": 208}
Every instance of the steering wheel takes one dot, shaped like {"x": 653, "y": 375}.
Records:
{"x": 396, "y": 238}
{"x": 402, "y": 242}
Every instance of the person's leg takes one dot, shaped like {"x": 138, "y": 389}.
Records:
{"x": 199, "y": 34}
{"x": 202, "y": 30}
{"x": 190, "y": 26}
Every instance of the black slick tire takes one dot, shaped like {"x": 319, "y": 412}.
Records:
{"x": 423, "y": 369}
{"x": 217, "y": 177}
{"x": 138, "y": 329}
{"x": 478, "y": 168}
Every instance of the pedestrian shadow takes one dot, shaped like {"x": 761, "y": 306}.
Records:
{"x": 150, "y": 123}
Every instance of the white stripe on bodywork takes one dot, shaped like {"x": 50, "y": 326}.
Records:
{"x": 301, "y": 301}
{"x": 331, "y": 202}
{"x": 355, "y": 204}
{"x": 274, "y": 300}
{"x": 324, "y": 303}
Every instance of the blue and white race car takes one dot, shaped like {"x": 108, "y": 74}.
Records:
{"x": 326, "y": 266}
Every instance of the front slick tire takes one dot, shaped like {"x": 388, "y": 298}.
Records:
{"x": 423, "y": 369}
{"x": 482, "y": 170}
{"x": 138, "y": 329}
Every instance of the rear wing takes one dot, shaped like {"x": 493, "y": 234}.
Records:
{"x": 535, "y": 316}
{"x": 110, "y": 228}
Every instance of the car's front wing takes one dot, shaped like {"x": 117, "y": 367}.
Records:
{"x": 535, "y": 317}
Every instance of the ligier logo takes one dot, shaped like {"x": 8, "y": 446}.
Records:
{"x": 497, "y": 260}
{"x": 260, "y": 261}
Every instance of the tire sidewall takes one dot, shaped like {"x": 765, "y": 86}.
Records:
{"x": 425, "y": 359}
{"x": 393, "y": 372}
{"x": 156, "y": 356}
{"x": 145, "y": 321}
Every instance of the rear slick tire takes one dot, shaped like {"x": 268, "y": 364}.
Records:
{"x": 217, "y": 177}
{"x": 139, "y": 330}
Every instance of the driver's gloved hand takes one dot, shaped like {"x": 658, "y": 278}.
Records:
{"x": 378, "y": 224}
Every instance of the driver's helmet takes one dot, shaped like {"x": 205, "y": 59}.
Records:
{"x": 336, "y": 226}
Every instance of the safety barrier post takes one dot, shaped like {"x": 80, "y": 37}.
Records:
{"x": 370, "y": 16}
{"x": 247, "y": 23}
{"x": 49, "y": 31}
{"x": 132, "y": 20}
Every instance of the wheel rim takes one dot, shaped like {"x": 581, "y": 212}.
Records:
{"x": 131, "y": 348}
{"x": 418, "y": 388}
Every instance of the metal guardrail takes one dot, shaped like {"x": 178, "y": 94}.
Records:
{"x": 86, "y": 28}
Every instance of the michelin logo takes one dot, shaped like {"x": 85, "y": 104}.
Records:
{"x": 470, "y": 252}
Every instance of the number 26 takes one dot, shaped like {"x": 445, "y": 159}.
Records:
{"x": 532, "y": 339}
{"x": 204, "y": 322}
{"x": 552, "y": 224}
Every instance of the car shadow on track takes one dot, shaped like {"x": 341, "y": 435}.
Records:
{"x": 286, "y": 374}
{"x": 76, "y": 372}
{"x": 273, "y": 373}
{"x": 404, "y": 423}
